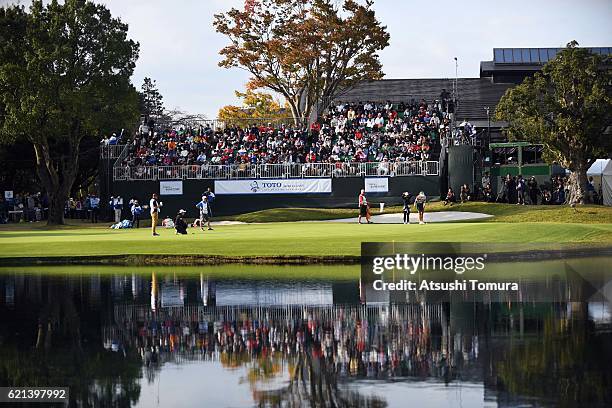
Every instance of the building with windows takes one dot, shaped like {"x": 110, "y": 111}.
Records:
{"x": 475, "y": 102}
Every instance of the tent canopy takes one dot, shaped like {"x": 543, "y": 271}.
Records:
{"x": 606, "y": 183}
{"x": 607, "y": 171}
{"x": 598, "y": 167}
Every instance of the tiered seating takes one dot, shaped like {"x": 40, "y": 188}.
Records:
{"x": 348, "y": 132}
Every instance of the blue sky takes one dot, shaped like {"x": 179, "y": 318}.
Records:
{"x": 179, "y": 47}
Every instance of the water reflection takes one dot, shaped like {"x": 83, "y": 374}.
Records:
{"x": 122, "y": 340}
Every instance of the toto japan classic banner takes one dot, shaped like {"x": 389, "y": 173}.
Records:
{"x": 170, "y": 188}
{"x": 264, "y": 186}
{"x": 376, "y": 184}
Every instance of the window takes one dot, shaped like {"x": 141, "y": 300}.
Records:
{"x": 535, "y": 56}
{"x": 498, "y": 55}
{"x": 552, "y": 53}
{"x": 507, "y": 55}
{"x": 543, "y": 55}
{"x": 526, "y": 57}
{"x": 516, "y": 55}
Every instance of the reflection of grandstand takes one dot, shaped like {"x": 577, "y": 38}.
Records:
{"x": 387, "y": 340}
{"x": 378, "y": 314}
{"x": 329, "y": 346}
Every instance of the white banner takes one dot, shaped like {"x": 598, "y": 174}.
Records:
{"x": 171, "y": 187}
{"x": 377, "y": 184}
{"x": 8, "y": 194}
{"x": 274, "y": 186}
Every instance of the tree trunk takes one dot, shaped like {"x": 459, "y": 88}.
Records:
{"x": 57, "y": 179}
{"x": 578, "y": 181}
{"x": 296, "y": 112}
{"x": 57, "y": 202}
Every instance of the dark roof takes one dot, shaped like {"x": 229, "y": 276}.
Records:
{"x": 473, "y": 93}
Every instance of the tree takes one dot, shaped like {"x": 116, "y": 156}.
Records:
{"x": 177, "y": 117}
{"x": 64, "y": 76}
{"x": 567, "y": 108}
{"x": 151, "y": 101}
{"x": 306, "y": 50}
{"x": 255, "y": 105}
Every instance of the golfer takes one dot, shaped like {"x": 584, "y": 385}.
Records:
{"x": 364, "y": 210}
{"x": 419, "y": 203}
{"x": 204, "y": 208}
{"x": 155, "y": 207}
{"x": 406, "y": 200}
{"x": 179, "y": 223}
{"x": 210, "y": 197}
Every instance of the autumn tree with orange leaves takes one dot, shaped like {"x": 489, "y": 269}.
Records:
{"x": 255, "y": 106}
{"x": 305, "y": 50}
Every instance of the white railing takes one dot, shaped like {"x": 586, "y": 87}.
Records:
{"x": 111, "y": 151}
{"x": 277, "y": 171}
{"x": 391, "y": 169}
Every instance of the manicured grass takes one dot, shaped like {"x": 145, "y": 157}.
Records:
{"x": 276, "y": 239}
{"x": 275, "y": 235}
{"x": 295, "y": 214}
{"x": 590, "y": 214}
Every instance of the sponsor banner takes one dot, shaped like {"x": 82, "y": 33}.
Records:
{"x": 170, "y": 187}
{"x": 172, "y": 296}
{"x": 377, "y": 184}
{"x": 274, "y": 186}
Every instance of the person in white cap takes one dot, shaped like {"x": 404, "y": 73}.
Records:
{"x": 179, "y": 223}
{"x": 203, "y": 206}
{"x": 406, "y": 200}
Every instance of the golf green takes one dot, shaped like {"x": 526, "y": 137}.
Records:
{"x": 280, "y": 239}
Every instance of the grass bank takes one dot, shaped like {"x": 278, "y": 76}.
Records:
{"x": 240, "y": 271}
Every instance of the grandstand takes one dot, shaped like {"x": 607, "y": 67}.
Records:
{"x": 386, "y": 136}
{"x": 472, "y": 93}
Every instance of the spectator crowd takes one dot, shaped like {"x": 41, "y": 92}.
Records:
{"x": 33, "y": 207}
{"x": 29, "y": 207}
{"x": 521, "y": 191}
{"x": 348, "y": 132}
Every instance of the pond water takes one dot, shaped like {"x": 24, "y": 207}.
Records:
{"x": 235, "y": 336}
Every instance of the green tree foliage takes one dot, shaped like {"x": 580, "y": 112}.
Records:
{"x": 151, "y": 100}
{"x": 305, "y": 50}
{"x": 64, "y": 78}
{"x": 567, "y": 108}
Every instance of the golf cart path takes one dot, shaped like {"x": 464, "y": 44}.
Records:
{"x": 438, "y": 216}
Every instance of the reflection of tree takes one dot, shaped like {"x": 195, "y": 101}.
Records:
{"x": 565, "y": 363}
{"x": 54, "y": 344}
{"x": 264, "y": 368}
{"x": 101, "y": 379}
{"x": 314, "y": 382}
